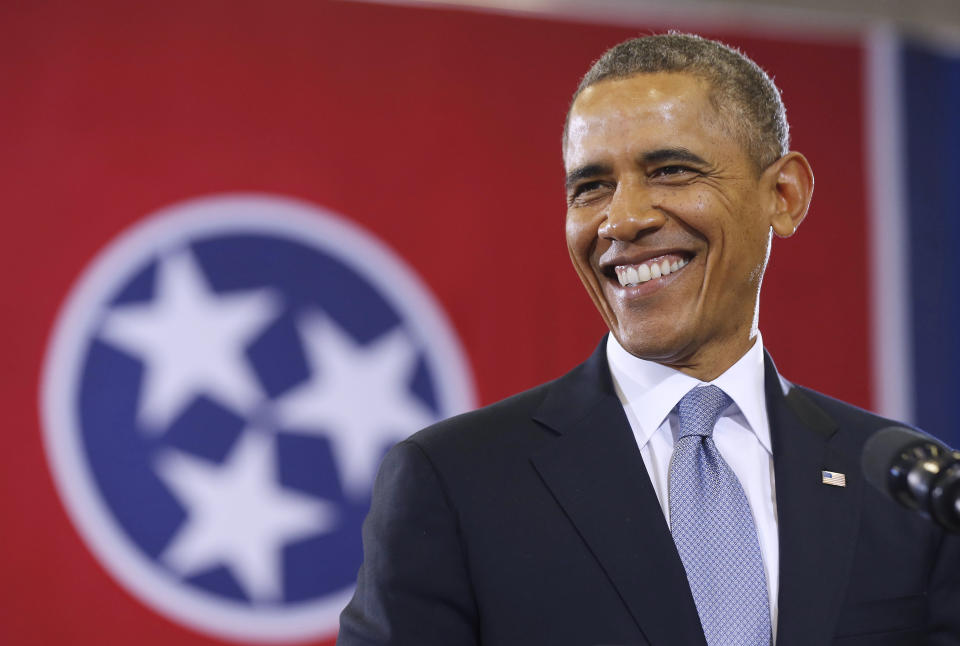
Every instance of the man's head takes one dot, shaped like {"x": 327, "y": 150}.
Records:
{"x": 740, "y": 91}
{"x": 671, "y": 202}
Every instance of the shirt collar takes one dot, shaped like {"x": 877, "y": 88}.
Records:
{"x": 652, "y": 390}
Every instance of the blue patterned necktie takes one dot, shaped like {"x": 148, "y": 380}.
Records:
{"x": 714, "y": 531}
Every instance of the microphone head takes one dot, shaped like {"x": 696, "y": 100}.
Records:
{"x": 885, "y": 447}
{"x": 916, "y": 471}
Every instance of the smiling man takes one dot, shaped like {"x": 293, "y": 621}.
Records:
{"x": 672, "y": 489}
{"x": 669, "y": 217}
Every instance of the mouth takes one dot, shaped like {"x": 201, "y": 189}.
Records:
{"x": 638, "y": 273}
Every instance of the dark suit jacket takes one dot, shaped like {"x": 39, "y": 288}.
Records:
{"x": 533, "y": 522}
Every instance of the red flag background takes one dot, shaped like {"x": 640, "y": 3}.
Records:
{"x": 436, "y": 131}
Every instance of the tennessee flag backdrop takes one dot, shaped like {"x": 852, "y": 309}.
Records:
{"x": 248, "y": 246}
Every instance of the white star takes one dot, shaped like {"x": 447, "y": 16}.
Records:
{"x": 191, "y": 340}
{"x": 358, "y": 396}
{"x": 238, "y": 515}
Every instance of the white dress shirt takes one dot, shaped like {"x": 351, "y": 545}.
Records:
{"x": 650, "y": 393}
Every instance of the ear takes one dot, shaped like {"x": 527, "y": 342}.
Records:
{"x": 790, "y": 181}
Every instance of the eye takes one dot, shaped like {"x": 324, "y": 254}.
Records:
{"x": 587, "y": 191}
{"x": 674, "y": 171}
{"x": 586, "y": 187}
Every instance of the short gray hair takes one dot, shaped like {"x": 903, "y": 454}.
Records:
{"x": 742, "y": 93}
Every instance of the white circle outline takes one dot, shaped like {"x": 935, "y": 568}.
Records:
{"x": 175, "y": 226}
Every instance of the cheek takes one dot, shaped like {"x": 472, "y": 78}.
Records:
{"x": 746, "y": 251}
{"x": 581, "y": 236}
{"x": 733, "y": 227}
{"x": 695, "y": 208}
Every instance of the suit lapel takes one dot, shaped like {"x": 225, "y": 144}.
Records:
{"x": 817, "y": 522}
{"x": 594, "y": 470}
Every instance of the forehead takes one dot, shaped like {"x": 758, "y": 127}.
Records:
{"x": 643, "y": 112}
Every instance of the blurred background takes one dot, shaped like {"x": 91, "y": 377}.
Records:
{"x": 249, "y": 245}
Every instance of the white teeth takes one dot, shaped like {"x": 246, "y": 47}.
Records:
{"x": 643, "y": 273}
{"x": 637, "y": 274}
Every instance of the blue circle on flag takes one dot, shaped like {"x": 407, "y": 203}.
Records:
{"x": 242, "y": 365}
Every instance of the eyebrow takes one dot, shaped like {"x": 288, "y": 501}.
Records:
{"x": 672, "y": 154}
{"x": 658, "y": 156}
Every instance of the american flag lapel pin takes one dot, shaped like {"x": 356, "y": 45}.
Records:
{"x": 834, "y": 479}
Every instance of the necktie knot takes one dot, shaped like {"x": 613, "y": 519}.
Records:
{"x": 699, "y": 410}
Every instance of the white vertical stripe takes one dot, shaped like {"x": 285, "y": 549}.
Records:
{"x": 889, "y": 237}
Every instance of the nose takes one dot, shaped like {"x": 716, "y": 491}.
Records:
{"x": 631, "y": 212}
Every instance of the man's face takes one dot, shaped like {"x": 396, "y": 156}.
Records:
{"x": 668, "y": 220}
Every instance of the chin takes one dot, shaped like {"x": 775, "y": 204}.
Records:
{"x": 652, "y": 347}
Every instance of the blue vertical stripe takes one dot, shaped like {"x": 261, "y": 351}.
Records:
{"x": 932, "y": 112}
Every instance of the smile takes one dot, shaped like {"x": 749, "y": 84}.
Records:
{"x": 630, "y": 275}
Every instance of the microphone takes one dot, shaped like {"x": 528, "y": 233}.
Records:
{"x": 916, "y": 471}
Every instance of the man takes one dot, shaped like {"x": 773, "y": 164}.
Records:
{"x": 671, "y": 490}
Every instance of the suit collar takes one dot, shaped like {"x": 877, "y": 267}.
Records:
{"x": 572, "y": 398}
